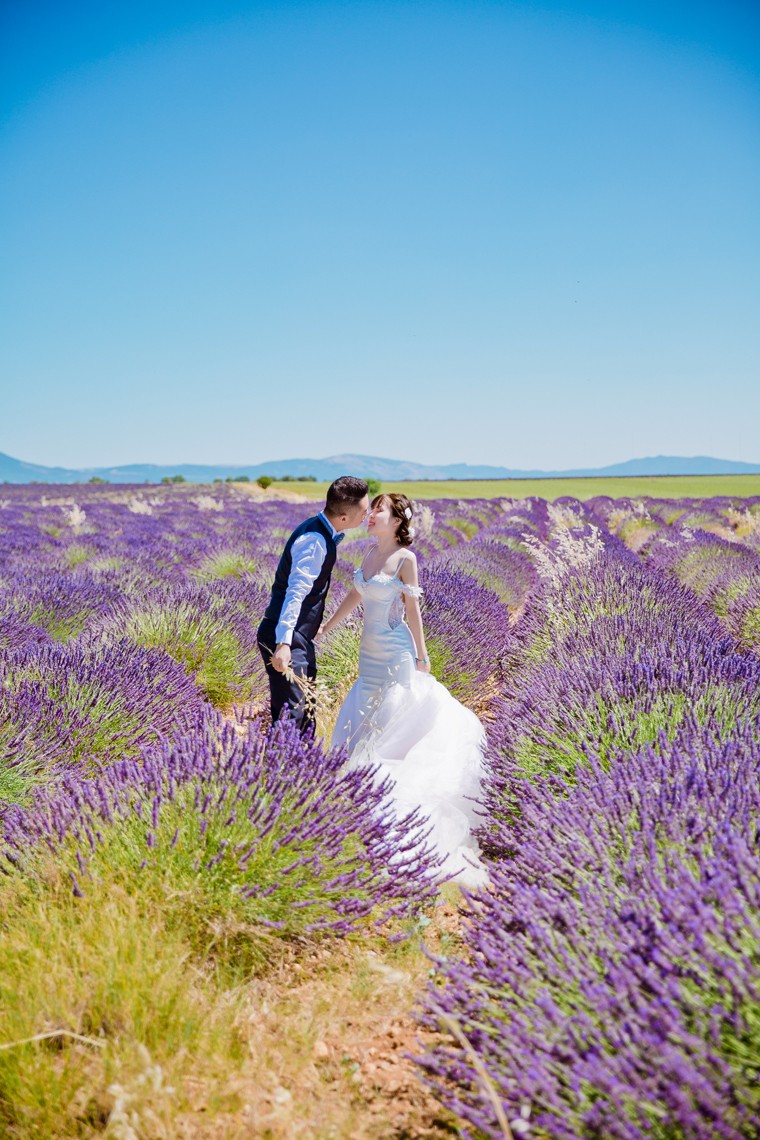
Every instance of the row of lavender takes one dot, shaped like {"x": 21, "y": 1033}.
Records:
{"x": 612, "y": 982}
{"x": 713, "y": 548}
{"x": 130, "y": 683}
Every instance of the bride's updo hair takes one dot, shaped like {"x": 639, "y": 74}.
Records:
{"x": 401, "y": 508}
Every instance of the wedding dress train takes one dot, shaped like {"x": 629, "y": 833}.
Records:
{"x": 411, "y": 726}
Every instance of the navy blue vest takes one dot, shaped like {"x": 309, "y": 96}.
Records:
{"x": 313, "y": 605}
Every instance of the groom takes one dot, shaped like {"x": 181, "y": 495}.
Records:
{"x": 301, "y": 581}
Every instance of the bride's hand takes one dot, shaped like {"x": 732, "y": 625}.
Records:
{"x": 423, "y": 664}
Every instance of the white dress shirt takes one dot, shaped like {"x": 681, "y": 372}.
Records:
{"x": 307, "y": 553}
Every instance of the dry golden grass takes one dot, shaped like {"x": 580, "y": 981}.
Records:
{"x": 110, "y": 1023}
{"x": 328, "y": 1032}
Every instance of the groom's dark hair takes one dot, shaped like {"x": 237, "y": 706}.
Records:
{"x": 344, "y": 492}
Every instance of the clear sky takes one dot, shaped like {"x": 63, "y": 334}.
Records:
{"x": 525, "y": 234}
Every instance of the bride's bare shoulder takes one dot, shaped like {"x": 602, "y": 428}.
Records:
{"x": 407, "y": 565}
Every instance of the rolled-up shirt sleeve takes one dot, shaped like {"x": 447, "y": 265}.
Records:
{"x": 307, "y": 556}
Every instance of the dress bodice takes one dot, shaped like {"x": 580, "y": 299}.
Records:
{"x": 382, "y": 597}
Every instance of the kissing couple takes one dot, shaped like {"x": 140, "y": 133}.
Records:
{"x": 397, "y": 717}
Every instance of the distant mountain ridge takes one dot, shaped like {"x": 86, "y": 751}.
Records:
{"x": 387, "y": 470}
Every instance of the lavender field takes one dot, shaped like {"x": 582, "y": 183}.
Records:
{"x": 161, "y": 845}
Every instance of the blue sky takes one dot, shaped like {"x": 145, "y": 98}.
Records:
{"x": 523, "y": 234}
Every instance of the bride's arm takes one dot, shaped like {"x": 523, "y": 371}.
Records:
{"x": 408, "y": 575}
{"x": 347, "y": 606}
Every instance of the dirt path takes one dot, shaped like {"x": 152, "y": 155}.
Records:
{"x": 329, "y": 1034}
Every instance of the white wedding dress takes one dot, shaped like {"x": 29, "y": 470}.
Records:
{"x": 411, "y": 726}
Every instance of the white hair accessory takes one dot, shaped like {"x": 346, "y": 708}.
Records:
{"x": 408, "y": 512}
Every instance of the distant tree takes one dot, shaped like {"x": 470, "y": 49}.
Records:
{"x": 174, "y": 479}
{"x": 242, "y": 478}
{"x": 265, "y": 481}
{"x": 374, "y": 487}
{"x": 220, "y": 480}
{"x": 97, "y": 479}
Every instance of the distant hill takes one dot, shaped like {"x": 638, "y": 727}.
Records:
{"x": 387, "y": 470}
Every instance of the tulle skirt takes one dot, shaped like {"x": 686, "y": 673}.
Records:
{"x": 416, "y": 732}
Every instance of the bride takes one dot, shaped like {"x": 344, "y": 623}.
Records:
{"x": 396, "y": 715}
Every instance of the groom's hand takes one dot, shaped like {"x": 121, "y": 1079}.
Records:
{"x": 281, "y": 658}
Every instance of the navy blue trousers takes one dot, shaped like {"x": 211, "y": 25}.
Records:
{"x": 285, "y": 694}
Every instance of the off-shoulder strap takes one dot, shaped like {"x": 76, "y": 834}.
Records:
{"x": 413, "y": 591}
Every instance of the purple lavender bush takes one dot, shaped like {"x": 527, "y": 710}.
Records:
{"x": 725, "y": 575}
{"x": 232, "y": 825}
{"x": 508, "y": 572}
{"x": 86, "y": 705}
{"x": 58, "y": 603}
{"x": 612, "y": 980}
{"x": 208, "y": 628}
{"x": 610, "y": 983}
{"x": 18, "y": 633}
{"x": 468, "y": 635}
{"x": 620, "y": 654}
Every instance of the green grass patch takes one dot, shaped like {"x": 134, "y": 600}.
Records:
{"x": 105, "y": 563}
{"x": 632, "y": 487}
{"x": 337, "y": 669}
{"x": 701, "y": 565}
{"x": 207, "y": 648}
{"x": 467, "y": 527}
{"x": 723, "y": 599}
{"x": 61, "y": 628}
{"x": 225, "y": 564}
{"x": 633, "y": 530}
{"x": 133, "y": 1013}
{"x": 609, "y": 726}
{"x": 77, "y": 553}
{"x": 461, "y": 682}
{"x": 750, "y": 629}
